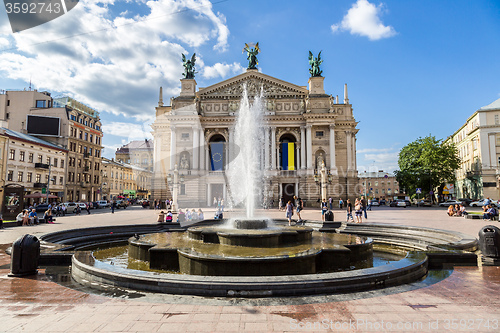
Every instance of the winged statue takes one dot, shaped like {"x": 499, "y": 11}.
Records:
{"x": 315, "y": 62}
{"x": 188, "y": 66}
{"x": 252, "y": 52}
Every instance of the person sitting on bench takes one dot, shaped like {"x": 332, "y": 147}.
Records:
{"x": 490, "y": 213}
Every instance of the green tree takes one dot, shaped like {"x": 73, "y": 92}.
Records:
{"x": 426, "y": 163}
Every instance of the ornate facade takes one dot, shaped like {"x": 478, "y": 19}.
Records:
{"x": 320, "y": 127}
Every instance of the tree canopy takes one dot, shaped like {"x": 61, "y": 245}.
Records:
{"x": 426, "y": 163}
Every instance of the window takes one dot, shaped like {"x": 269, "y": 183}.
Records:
{"x": 55, "y": 162}
{"x": 496, "y": 120}
{"x": 86, "y": 136}
{"x": 61, "y": 180}
{"x": 183, "y": 189}
{"x": 78, "y": 177}
{"x": 38, "y": 178}
{"x": 376, "y": 183}
{"x": 40, "y": 158}
{"x": 91, "y": 138}
{"x": 12, "y": 155}
{"x": 29, "y": 177}
{"x": 40, "y": 103}
{"x": 320, "y": 134}
{"x": 10, "y": 175}
{"x": 62, "y": 163}
{"x": 73, "y": 117}
{"x": 79, "y": 163}
{"x": 19, "y": 176}
{"x": 30, "y": 158}
{"x": 48, "y": 160}
{"x": 185, "y": 136}
{"x": 21, "y": 156}
{"x": 388, "y": 183}
{"x": 81, "y": 135}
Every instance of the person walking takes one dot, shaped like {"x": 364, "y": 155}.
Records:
{"x": 341, "y": 203}
{"x": 330, "y": 202}
{"x": 324, "y": 209}
{"x": 298, "y": 207}
{"x": 358, "y": 209}
{"x": 363, "y": 205}
{"x": 349, "y": 210}
{"x": 369, "y": 204}
{"x": 87, "y": 206}
{"x": 113, "y": 206}
{"x": 63, "y": 209}
{"x": 289, "y": 212}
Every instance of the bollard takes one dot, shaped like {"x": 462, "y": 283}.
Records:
{"x": 25, "y": 256}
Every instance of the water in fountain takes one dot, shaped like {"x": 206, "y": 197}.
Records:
{"x": 245, "y": 175}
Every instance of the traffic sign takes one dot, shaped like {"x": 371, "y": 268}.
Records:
{"x": 419, "y": 190}
{"x": 44, "y": 190}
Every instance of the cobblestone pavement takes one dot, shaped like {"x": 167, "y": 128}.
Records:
{"x": 467, "y": 300}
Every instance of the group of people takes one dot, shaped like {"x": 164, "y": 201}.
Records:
{"x": 297, "y": 205}
{"x": 30, "y": 217}
{"x": 182, "y": 216}
{"x": 457, "y": 210}
{"x": 359, "y": 209}
{"x": 158, "y": 203}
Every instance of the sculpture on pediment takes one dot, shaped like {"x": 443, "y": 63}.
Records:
{"x": 188, "y": 66}
{"x": 315, "y": 62}
{"x": 252, "y": 52}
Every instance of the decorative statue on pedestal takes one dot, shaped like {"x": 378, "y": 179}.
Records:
{"x": 315, "y": 62}
{"x": 188, "y": 66}
{"x": 252, "y": 52}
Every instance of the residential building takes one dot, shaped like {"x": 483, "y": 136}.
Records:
{"x": 122, "y": 179}
{"x": 64, "y": 122}
{"x": 380, "y": 184}
{"x": 138, "y": 153}
{"x": 478, "y": 144}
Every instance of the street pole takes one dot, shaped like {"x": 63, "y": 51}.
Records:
{"x": 48, "y": 185}
{"x": 176, "y": 184}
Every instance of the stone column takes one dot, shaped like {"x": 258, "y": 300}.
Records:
{"x": 302, "y": 147}
{"x": 207, "y": 160}
{"x": 353, "y": 142}
{"x": 309, "y": 147}
{"x": 196, "y": 148}
{"x": 173, "y": 144}
{"x": 297, "y": 154}
{"x": 230, "y": 146}
{"x": 349, "y": 150}
{"x": 266, "y": 148}
{"x": 202, "y": 148}
{"x": 273, "y": 148}
{"x": 333, "y": 162}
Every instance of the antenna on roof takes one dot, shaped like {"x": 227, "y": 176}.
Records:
{"x": 30, "y": 84}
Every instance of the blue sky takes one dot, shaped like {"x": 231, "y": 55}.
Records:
{"x": 413, "y": 68}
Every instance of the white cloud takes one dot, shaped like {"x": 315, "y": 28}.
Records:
{"x": 114, "y": 63}
{"x": 363, "y": 19}
{"x": 222, "y": 70}
{"x": 131, "y": 131}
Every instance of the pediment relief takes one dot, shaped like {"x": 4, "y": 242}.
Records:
{"x": 254, "y": 82}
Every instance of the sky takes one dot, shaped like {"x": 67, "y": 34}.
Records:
{"x": 413, "y": 68}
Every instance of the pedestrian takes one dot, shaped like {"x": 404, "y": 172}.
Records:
{"x": 298, "y": 207}
{"x": 324, "y": 209}
{"x": 369, "y": 204}
{"x": 48, "y": 216}
{"x": 161, "y": 217}
{"x": 330, "y": 202}
{"x": 281, "y": 204}
{"x": 78, "y": 209}
{"x": 289, "y": 212}
{"x": 349, "y": 210}
{"x": 169, "y": 217}
{"x": 358, "y": 209}
{"x": 363, "y": 205}
{"x": 341, "y": 203}
{"x": 113, "y": 206}
{"x": 63, "y": 208}
{"x": 200, "y": 214}
{"x": 215, "y": 202}
{"x": 87, "y": 206}
{"x": 181, "y": 217}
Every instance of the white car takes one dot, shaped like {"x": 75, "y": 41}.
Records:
{"x": 480, "y": 203}
{"x": 103, "y": 203}
{"x": 374, "y": 203}
{"x": 70, "y": 206}
{"x": 450, "y": 202}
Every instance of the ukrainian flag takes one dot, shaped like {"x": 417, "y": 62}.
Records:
{"x": 288, "y": 156}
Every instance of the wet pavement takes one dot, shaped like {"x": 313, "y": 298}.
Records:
{"x": 461, "y": 299}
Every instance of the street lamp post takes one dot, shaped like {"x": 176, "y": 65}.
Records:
{"x": 175, "y": 185}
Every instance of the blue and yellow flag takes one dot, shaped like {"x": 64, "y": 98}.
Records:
{"x": 217, "y": 156}
{"x": 288, "y": 156}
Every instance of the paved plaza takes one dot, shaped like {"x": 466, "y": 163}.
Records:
{"x": 466, "y": 300}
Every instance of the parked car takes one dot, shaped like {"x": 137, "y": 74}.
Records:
{"x": 70, "y": 207}
{"x": 399, "y": 203}
{"x": 480, "y": 203}
{"x": 382, "y": 202}
{"x": 41, "y": 208}
{"x": 449, "y": 202}
{"x": 121, "y": 203}
{"x": 375, "y": 202}
{"x": 425, "y": 203}
{"x": 466, "y": 201}
{"x": 83, "y": 205}
{"x": 103, "y": 203}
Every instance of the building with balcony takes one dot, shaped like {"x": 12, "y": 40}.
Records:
{"x": 34, "y": 164}
{"x": 380, "y": 185}
{"x": 478, "y": 143}
{"x": 122, "y": 179}
{"x": 302, "y": 128}
{"x": 138, "y": 153}
{"x": 64, "y": 122}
